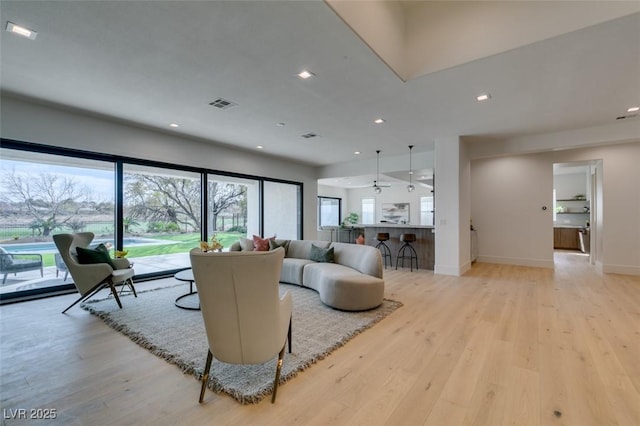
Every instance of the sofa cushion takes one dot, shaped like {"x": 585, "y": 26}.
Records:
{"x": 343, "y": 287}
{"x": 365, "y": 259}
{"x": 292, "y": 270}
{"x": 300, "y": 249}
{"x": 246, "y": 244}
{"x": 315, "y": 272}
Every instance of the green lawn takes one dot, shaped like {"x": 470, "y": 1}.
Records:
{"x": 183, "y": 244}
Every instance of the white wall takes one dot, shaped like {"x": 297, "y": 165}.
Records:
{"x": 567, "y": 186}
{"x": 31, "y": 122}
{"x": 507, "y": 194}
{"x": 352, "y": 200}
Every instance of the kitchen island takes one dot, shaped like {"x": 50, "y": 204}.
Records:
{"x": 424, "y": 244}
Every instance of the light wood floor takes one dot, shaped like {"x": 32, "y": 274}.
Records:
{"x": 500, "y": 345}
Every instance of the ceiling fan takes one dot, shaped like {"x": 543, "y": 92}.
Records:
{"x": 376, "y": 187}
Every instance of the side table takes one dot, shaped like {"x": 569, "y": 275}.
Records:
{"x": 187, "y": 276}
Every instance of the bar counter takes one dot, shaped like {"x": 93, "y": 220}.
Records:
{"x": 424, "y": 244}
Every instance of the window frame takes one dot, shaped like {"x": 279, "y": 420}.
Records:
{"x": 119, "y": 162}
{"x": 320, "y": 215}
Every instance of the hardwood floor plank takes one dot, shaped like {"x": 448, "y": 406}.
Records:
{"x": 500, "y": 345}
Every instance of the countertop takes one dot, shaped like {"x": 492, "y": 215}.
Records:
{"x": 395, "y": 225}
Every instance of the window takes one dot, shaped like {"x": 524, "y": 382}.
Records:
{"x": 161, "y": 215}
{"x": 329, "y": 211}
{"x": 368, "y": 211}
{"x": 153, "y": 210}
{"x": 282, "y": 210}
{"x": 426, "y": 210}
{"x": 42, "y": 195}
{"x": 233, "y": 208}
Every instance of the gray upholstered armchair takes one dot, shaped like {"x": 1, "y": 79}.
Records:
{"x": 12, "y": 263}
{"x": 246, "y": 320}
{"x": 90, "y": 278}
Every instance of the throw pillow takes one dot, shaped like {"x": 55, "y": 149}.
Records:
{"x": 246, "y": 244}
{"x": 318, "y": 254}
{"x": 273, "y": 244}
{"x": 89, "y": 256}
{"x": 261, "y": 244}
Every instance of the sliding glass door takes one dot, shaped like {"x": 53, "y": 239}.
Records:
{"x": 153, "y": 211}
{"x": 161, "y": 217}
{"x": 42, "y": 195}
{"x": 233, "y": 208}
{"x": 282, "y": 210}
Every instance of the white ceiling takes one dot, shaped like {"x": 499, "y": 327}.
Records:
{"x": 152, "y": 63}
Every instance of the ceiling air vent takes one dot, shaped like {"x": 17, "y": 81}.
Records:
{"x": 309, "y": 135}
{"x": 222, "y": 103}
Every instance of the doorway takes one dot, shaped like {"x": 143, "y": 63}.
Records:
{"x": 577, "y": 208}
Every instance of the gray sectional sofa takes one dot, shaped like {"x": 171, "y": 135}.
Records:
{"x": 352, "y": 282}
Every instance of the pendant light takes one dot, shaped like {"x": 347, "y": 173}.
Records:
{"x": 377, "y": 189}
{"x": 410, "y": 187}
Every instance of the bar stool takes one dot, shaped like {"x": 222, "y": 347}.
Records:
{"x": 407, "y": 251}
{"x": 384, "y": 249}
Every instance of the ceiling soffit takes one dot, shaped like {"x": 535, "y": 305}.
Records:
{"x": 416, "y": 38}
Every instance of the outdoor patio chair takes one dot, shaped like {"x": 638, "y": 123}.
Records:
{"x": 12, "y": 263}
{"x": 245, "y": 318}
{"x": 89, "y": 278}
{"x": 60, "y": 266}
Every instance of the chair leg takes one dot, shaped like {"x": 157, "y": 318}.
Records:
{"x": 4, "y": 280}
{"x": 73, "y": 304}
{"x": 205, "y": 375}
{"x": 128, "y": 283}
{"x": 115, "y": 293}
{"x": 289, "y": 335}
{"x": 87, "y": 295}
{"x": 132, "y": 287}
{"x": 278, "y": 368}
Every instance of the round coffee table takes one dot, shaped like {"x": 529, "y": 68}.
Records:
{"x": 186, "y": 275}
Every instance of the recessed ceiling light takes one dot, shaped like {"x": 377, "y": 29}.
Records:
{"x": 633, "y": 109}
{"x": 174, "y": 125}
{"x": 305, "y": 74}
{"x": 483, "y": 97}
{"x": 259, "y": 146}
{"x": 356, "y": 152}
{"x": 379, "y": 120}
{"x": 22, "y": 31}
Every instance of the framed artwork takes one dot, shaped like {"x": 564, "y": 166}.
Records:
{"x": 395, "y": 212}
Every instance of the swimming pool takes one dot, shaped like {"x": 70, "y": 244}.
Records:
{"x": 50, "y": 247}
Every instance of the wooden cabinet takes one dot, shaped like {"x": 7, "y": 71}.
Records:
{"x": 566, "y": 238}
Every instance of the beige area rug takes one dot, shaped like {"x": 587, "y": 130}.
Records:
{"x": 178, "y": 336}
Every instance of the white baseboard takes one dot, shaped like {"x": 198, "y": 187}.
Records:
{"x": 536, "y": 263}
{"x": 451, "y": 270}
{"x": 621, "y": 269}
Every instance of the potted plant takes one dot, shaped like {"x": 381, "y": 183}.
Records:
{"x": 350, "y": 220}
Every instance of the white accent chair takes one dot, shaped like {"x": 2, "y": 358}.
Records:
{"x": 90, "y": 278}
{"x": 245, "y": 318}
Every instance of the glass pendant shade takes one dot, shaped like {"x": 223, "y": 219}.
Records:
{"x": 410, "y": 187}
{"x": 376, "y": 188}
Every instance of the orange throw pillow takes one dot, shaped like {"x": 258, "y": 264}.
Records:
{"x": 261, "y": 244}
